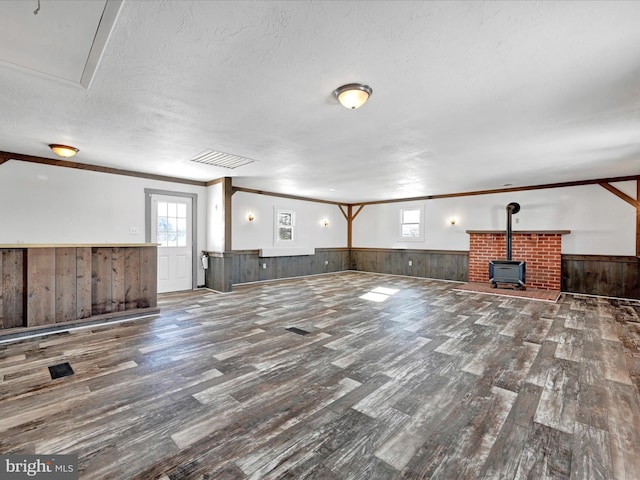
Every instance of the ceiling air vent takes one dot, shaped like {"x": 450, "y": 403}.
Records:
{"x": 220, "y": 159}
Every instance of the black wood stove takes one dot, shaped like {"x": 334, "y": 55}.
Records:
{"x": 508, "y": 271}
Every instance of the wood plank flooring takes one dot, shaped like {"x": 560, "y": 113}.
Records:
{"x": 416, "y": 380}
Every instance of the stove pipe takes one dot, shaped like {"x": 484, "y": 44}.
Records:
{"x": 512, "y": 208}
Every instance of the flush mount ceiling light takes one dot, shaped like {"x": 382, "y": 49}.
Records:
{"x": 63, "y": 150}
{"x": 353, "y": 95}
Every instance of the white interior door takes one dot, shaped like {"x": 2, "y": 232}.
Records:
{"x": 172, "y": 230}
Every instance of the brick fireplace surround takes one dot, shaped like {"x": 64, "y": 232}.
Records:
{"x": 540, "y": 249}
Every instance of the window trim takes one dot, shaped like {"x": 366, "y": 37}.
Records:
{"x": 177, "y": 218}
{"x": 276, "y": 226}
{"x": 148, "y": 193}
{"x": 420, "y": 237}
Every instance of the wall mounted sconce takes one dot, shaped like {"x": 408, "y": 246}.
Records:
{"x": 453, "y": 220}
{"x": 250, "y": 217}
{"x": 325, "y": 223}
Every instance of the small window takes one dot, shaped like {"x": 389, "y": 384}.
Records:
{"x": 285, "y": 225}
{"x": 172, "y": 224}
{"x": 411, "y": 224}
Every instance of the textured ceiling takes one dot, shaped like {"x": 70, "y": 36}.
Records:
{"x": 466, "y": 95}
{"x": 55, "y": 40}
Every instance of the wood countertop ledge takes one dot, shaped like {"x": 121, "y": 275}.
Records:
{"x": 521, "y": 232}
{"x": 74, "y": 245}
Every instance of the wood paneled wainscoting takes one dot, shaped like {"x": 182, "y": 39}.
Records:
{"x": 605, "y": 275}
{"x": 611, "y": 276}
{"x": 248, "y": 266}
{"x": 219, "y": 273}
{"x": 46, "y": 285}
{"x": 438, "y": 264}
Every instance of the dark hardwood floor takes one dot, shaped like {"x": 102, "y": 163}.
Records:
{"x": 429, "y": 383}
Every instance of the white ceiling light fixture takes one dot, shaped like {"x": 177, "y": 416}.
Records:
{"x": 64, "y": 151}
{"x": 353, "y": 95}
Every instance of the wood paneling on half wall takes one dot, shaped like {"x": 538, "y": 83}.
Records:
{"x": 248, "y": 266}
{"x": 48, "y": 285}
{"x": 123, "y": 279}
{"x": 438, "y": 264}
{"x": 12, "y": 287}
{"x": 609, "y": 276}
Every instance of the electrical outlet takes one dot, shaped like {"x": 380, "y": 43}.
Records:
{"x": 134, "y": 230}
{"x": 517, "y": 220}
{"x": 326, "y": 262}
{"x": 264, "y": 266}
{"x": 410, "y": 263}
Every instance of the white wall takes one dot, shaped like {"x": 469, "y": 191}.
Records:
{"x": 215, "y": 218}
{"x": 600, "y": 222}
{"x": 309, "y": 230}
{"x": 48, "y": 204}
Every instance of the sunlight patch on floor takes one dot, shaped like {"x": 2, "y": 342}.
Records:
{"x": 379, "y": 294}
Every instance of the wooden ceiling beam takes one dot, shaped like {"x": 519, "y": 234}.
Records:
{"x": 344, "y": 214}
{"x": 634, "y": 202}
{"x": 526, "y": 188}
{"x": 620, "y": 194}
{"x": 284, "y": 195}
{"x": 350, "y": 216}
{"x": 357, "y": 211}
{"x": 215, "y": 181}
{"x": 94, "y": 168}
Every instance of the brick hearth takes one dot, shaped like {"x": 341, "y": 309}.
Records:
{"x": 541, "y": 250}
